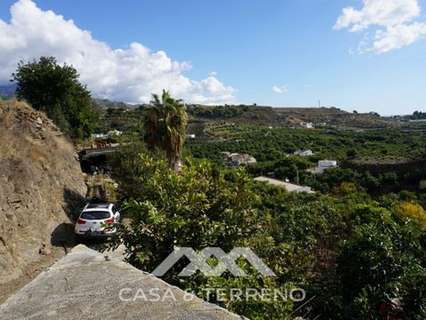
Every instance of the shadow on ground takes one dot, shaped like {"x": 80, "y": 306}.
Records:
{"x": 64, "y": 236}
{"x": 74, "y": 203}
{"x": 100, "y": 245}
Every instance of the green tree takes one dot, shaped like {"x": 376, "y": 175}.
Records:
{"x": 56, "y": 90}
{"x": 351, "y": 153}
{"x": 199, "y": 207}
{"x": 379, "y": 271}
{"x": 381, "y": 264}
{"x": 165, "y": 121}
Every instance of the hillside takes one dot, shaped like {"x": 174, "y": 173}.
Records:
{"x": 40, "y": 181}
{"x": 123, "y": 117}
{"x": 266, "y": 115}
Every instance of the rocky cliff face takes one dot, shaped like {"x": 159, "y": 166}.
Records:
{"x": 40, "y": 185}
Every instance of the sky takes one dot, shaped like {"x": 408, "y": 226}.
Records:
{"x": 364, "y": 55}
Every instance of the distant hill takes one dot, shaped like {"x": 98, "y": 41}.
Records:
{"x": 286, "y": 116}
{"x": 254, "y": 114}
{"x": 107, "y": 104}
{"x": 8, "y": 90}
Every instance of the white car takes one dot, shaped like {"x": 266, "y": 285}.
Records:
{"x": 97, "y": 220}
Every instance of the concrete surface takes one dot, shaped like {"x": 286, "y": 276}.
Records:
{"x": 86, "y": 285}
{"x": 290, "y": 187}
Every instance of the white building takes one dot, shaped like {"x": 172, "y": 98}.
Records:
{"x": 307, "y": 125}
{"x": 238, "y": 159}
{"x": 114, "y": 133}
{"x": 303, "y": 153}
{"x": 104, "y": 136}
{"x": 99, "y": 136}
{"x": 324, "y": 165}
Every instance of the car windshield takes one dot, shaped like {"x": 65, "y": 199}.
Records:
{"x": 95, "y": 215}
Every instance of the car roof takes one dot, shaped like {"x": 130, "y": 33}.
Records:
{"x": 97, "y": 206}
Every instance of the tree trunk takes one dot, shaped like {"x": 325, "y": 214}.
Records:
{"x": 175, "y": 163}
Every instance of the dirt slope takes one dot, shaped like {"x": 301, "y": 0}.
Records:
{"x": 40, "y": 184}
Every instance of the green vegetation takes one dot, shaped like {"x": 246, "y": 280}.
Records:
{"x": 377, "y": 161}
{"x": 165, "y": 122}
{"x": 219, "y": 112}
{"x": 358, "y": 254}
{"x": 351, "y": 252}
{"x": 357, "y": 246}
{"x": 267, "y": 144}
{"x": 56, "y": 90}
{"x": 101, "y": 188}
{"x": 418, "y": 115}
{"x": 125, "y": 120}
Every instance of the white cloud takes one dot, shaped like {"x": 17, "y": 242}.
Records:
{"x": 129, "y": 74}
{"x": 378, "y": 12}
{"x": 393, "y": 20}
{"x": 280, "y": 89}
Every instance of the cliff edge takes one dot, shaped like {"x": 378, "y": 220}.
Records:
{"x": 40, "y": 185}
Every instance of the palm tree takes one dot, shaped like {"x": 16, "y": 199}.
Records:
{"x": 165, "y": 122}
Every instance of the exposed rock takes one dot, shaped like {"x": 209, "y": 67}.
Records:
{"x": 44, "y": 250}
{"x": 40, "y": 184}
{"x": 82, "y": 285}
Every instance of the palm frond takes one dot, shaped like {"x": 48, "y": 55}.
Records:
{"x": 165, "y": 126}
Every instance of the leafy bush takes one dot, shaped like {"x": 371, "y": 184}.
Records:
{"x": 412, "y": 210}
{"x": 350, "y": 253}
{"x": 378, "y": 266}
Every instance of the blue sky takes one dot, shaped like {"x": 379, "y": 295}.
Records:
{"x": 252, "y": 46}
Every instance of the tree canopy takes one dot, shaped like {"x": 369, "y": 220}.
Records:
{"x": 56, "y": 90}
{"x": 165, "y": 121}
